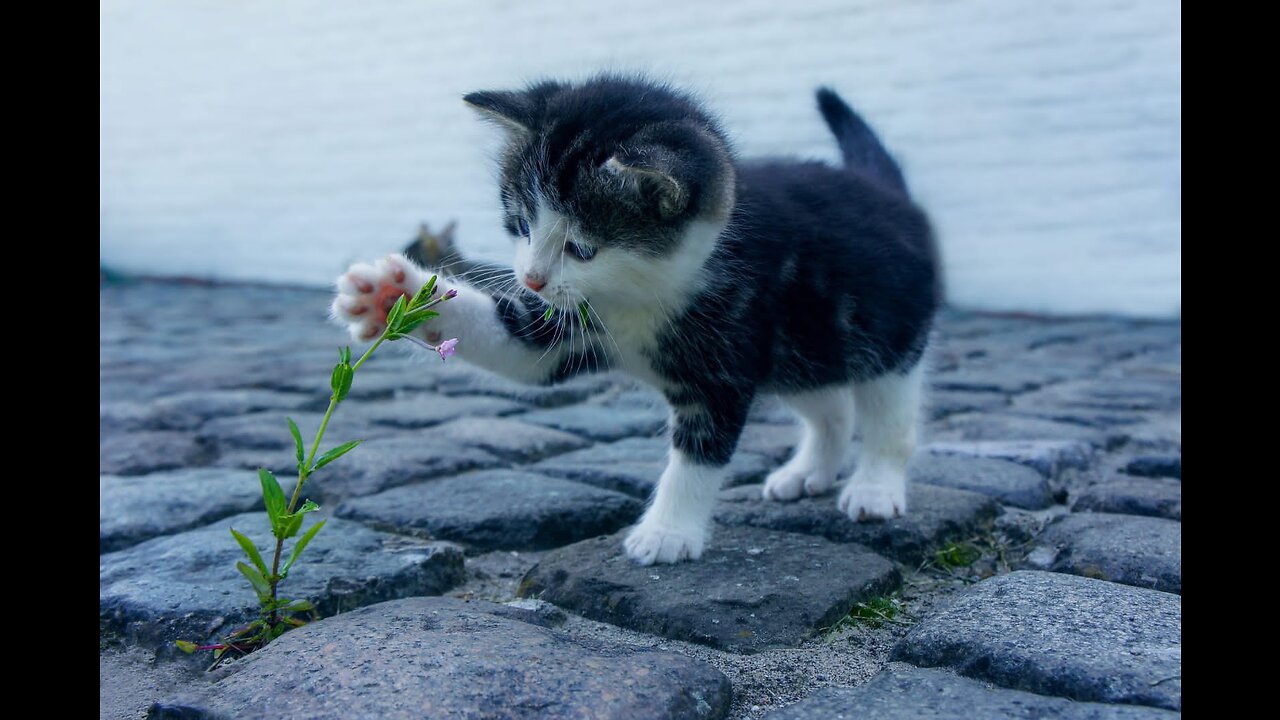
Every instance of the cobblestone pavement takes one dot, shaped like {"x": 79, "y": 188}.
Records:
{"x": 472, "y": 564}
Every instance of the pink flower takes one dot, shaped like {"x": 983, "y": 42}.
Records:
{"x": 451, "y": 294}
{"x": 446, "y": 348}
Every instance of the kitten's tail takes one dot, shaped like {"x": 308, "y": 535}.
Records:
{"x": 862, "y": 150}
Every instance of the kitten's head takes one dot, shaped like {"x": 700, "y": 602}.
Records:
{"x": 613, "y": 189}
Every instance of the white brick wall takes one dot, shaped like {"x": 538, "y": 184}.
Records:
{"x": 280, "y": 141}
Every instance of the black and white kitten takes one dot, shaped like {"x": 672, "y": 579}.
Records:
{"x": 714, "y": 280}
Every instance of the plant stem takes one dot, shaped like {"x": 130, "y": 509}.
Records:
{"x": 303, "y": 473}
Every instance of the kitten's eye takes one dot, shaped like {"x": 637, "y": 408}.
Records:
{"x": 522, "y": 227}
{"x": 581, "y": 252}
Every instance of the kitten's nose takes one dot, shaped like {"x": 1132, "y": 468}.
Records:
{"x": 535, "y": 282}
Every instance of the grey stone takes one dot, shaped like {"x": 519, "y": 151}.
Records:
{"x": 136, "y": 453}
{"x": 496, "y": 510}
{"x": 1008, "y": 482}
{"x": 1115, "y": 394}
{"x": 1156, "y": 466}
{"x": 1063, "y": 635}
{"x": 902, "y": 692}
{"x": 384, "y": 463}
{"x": 424, "y": 410}
{"x": 460, "y": 379}
{"x": 186, "y": 586}
{"x": 140, "y": 507}
{"x": 772, "y": 441}
{"x": 942, "y": 403}
{"x": 988, "y": 426}
{"x": 269, "y": 430}
{"x": 633, "y": 466}
{"x": 993, "y": 379}
{"x": 601, "y": 423}
{"x": 509, "y": 439}
{"x": 1048, "y": 457}
{"x": 751, "y": 590}
{"x": 935, "y": 516}
{"x": 532, "y": 611}
{"x": 189, "y": 410}
{"x": 1154, "y": 497}
{"x": 1141, "y": 551}
{"x": 444, "y": 658}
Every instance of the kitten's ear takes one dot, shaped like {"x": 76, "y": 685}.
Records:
{"x": 511, "y": 110}
{"x": 446, "y": 235}
{"x": 649, "y": 174}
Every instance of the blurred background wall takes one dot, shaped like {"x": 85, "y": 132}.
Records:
{"x": 280, "y": 141}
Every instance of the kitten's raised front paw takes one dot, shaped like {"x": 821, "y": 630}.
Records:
{"x": 649, "y": 544}
{"x": 874, "y": 500}
{"x": 366, "y": 292}
{"x": 798, "y": 477}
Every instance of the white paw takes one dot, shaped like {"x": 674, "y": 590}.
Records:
{"x": 874, "y": 499}
{"x": 649, "y": 544}
{"x": 797, "y": 478}
{"x": 366, "y": 292}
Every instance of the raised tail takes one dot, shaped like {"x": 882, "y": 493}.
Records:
{"x": 860, "y": 147}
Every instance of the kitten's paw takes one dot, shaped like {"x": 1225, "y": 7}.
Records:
{"x": 881, "y": 499}
{"x": 793, "y": 480}
{"x": 366, "y": 292}
{"x": 649, "y": 544}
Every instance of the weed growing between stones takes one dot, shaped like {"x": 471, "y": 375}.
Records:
{"x": 278, "y": 614}
{"x": 875, "y": 613}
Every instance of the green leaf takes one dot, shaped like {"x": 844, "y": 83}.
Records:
{"x": 344, "y": 386}
{"x": 292, "y": 523}
{"x": 335, "y": 453}
{"x": 551, "y": 309}
{"x": 249, "y": 549}
{"x": 340, "y": 380}
{"x": 272, "y": 495}
{"x": 582, "y": 312}
{"x": 423, "y": 295}
{"x": 344, "y": 355}
{"x": 259, "y": 583}
{"x": 412, "y": 320}
{"x": 297, "y": 442}
{"x": 397, "y": 312}
{"x": 302, "y": 543}
{"x": 186, "y": 646}
{"x": 299, "y": 606}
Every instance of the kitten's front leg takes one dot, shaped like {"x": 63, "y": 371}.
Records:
{"x": 510, "y": 336}
{"x": 677, "y": 524}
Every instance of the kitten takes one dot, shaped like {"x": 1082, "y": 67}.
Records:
{"x": 713, "y": 279}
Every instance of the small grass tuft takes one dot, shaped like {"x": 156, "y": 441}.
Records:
{"x": 956, "y": 555}
{"x": 873, "y": 613}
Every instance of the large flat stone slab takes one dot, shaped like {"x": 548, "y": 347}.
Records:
{"x": 1006, "y": 481}
{"x": 189, "y": 410}
{"x": 633, "y": 466}
{"x": 751, "y": 590}
{"x": 384, "y": 463}
{"x": 422, "y": 410}
{"x": 186, "y": 586}
{"x": 1155, "y": 466}
{"x": 138, "y": 453}
{"x": 903, "y": 692}
{"x": 1141, "y": 551}
{"x": 509, "y": 439}
{"x": 139, "y": 507}
{"x": 444, "y": 658}
{"x": 497, "y": 510}
{"x": 935, "y": 516}
{"x": 1048, "y": 457}
{"x": 1151, "y": 496}
{"x": 269, "y": 430}
{"x": 602, "y": 423}
{"x": 993, "y": 427}
{"x": 1053, "y": 634}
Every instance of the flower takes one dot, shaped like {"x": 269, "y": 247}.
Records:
{"x": 446, "y": 348}
{"x": 453, "y": 293}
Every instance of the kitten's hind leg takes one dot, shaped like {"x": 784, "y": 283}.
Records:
{"x": 827, "y": 418}
{"x": 888, "y": 416}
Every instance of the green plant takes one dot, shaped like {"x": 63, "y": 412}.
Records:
{"x": 874, "y": 612}
{"x": 956, "y": 555}
{"x": 278, "y": 614}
